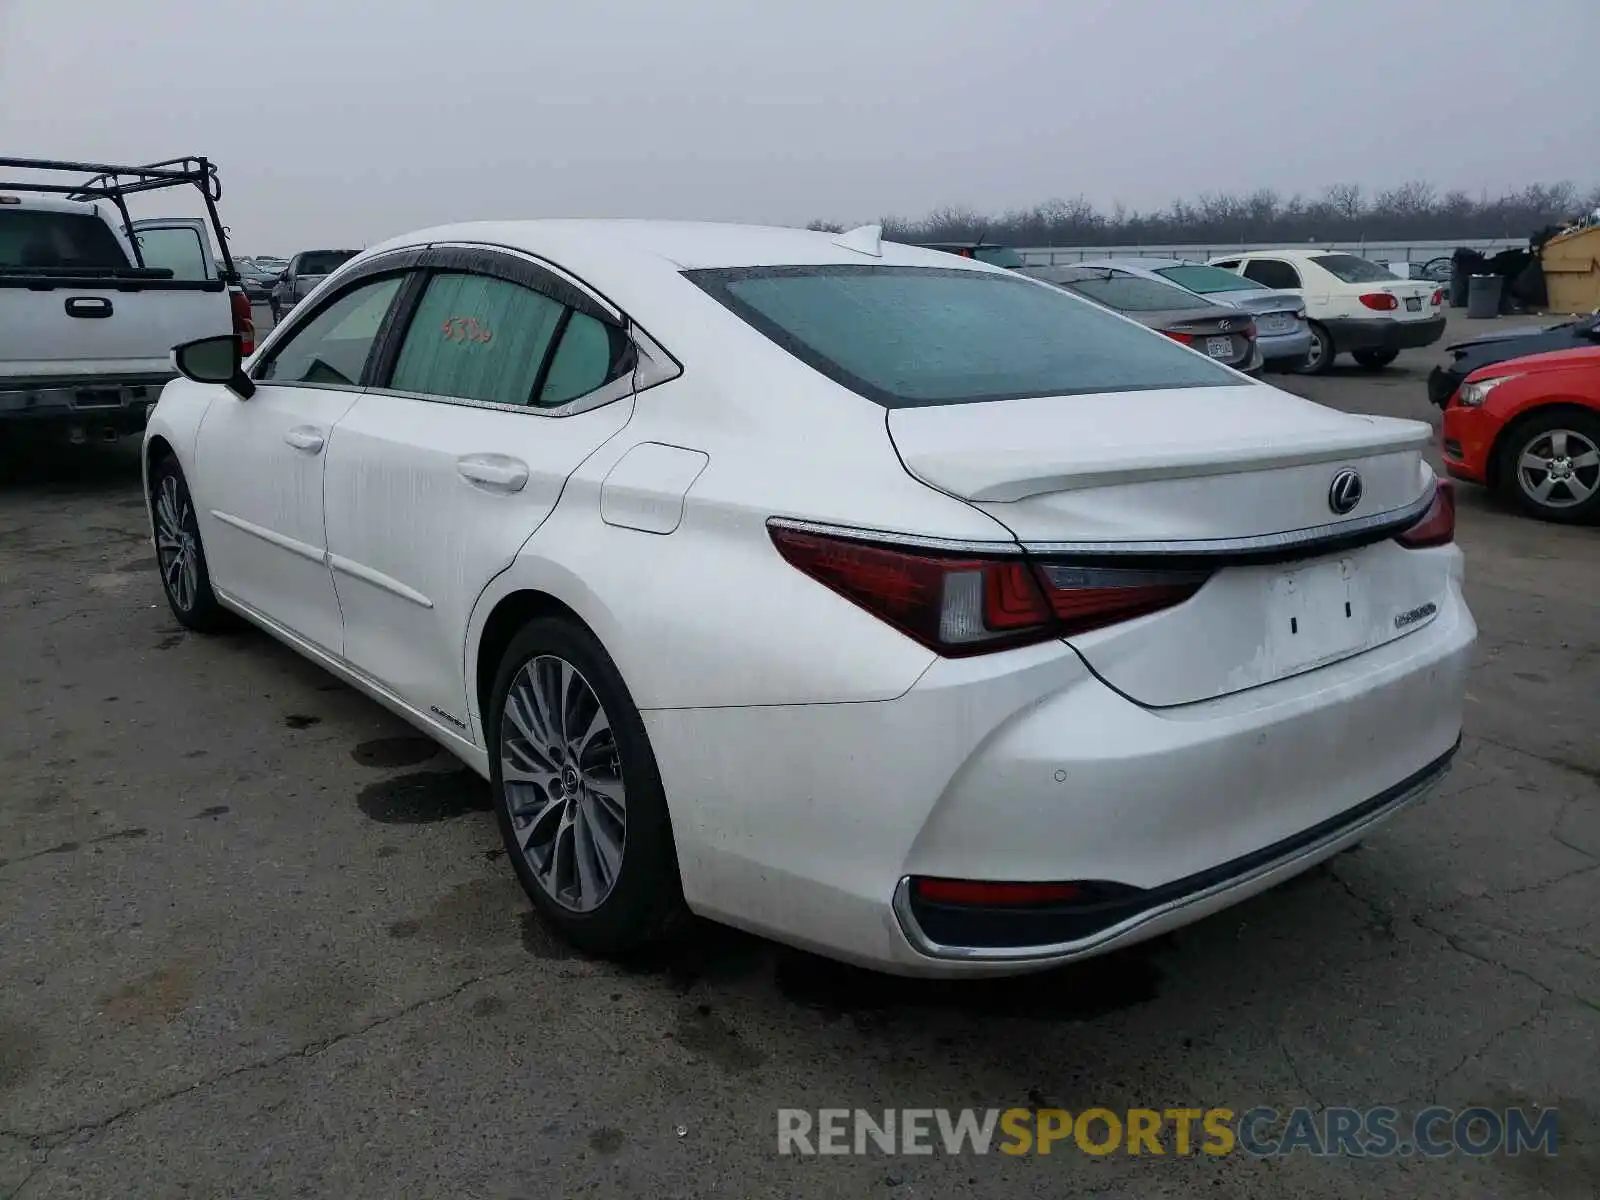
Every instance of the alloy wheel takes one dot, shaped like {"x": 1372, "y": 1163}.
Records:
{"x": 562, "y": 781}
{"x": 177, "y": 551}
{"x": 1559, "y": 468}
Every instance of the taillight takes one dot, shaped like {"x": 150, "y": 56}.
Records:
{"x": 244, "y": 322}
{"x": 960, "y": 604}
{"x": 1437, "y": 526}
{"x": 1186, "y": 338}
{"x": 1250, "y": 332}
{"x": 1438, "y": 297}
{"x": 1382, "y": 301}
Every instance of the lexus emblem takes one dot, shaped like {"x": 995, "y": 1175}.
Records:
{"x": 1344, "y": 493}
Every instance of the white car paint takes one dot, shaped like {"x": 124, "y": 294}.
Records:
{"x": 813, "y": 757}
{"x": 1335, "y": 305}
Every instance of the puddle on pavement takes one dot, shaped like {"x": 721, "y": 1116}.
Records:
{"x": 423, "y": 797}
{"x": 405, "y": 751}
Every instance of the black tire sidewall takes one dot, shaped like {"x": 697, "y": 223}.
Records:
{"x": 647, "y": 897}
{"x": 1313, "y": 365}
{"x": 1375, "y": 360}
{"x": 206, "y": 615}
{"x": 1516, "y": 440}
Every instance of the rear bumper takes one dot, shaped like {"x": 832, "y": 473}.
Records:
{"x": 1277, "y": 347}
{"x": 804, "y": 822}
{"x": 122, "y": 405}
{"x": 1383, "y": 333}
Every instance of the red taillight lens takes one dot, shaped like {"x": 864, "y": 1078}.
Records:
{"x": 1250, "y": 331}
{"x": 244, "y": 322}
{"x": 1437, "y": 526}
{"x": 1438, "y": 298}
{"x": 960, "y": 604}
{"x": 1186, "y": 338}
{"x": 1382, "y": 301}
{"x": 971, "y": 891}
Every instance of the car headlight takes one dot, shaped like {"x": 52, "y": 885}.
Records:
{"x": 1472, "y": 395}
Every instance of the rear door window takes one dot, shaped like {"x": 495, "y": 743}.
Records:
{"x": 177, "y": 248}
{"x": 913, "y": 336}
{"x": 477, "y": 338}
{"x": 1272, "y": 273}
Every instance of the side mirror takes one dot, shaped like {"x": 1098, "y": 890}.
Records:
{"x": 214, "y": 360}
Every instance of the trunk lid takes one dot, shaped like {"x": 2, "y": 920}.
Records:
{"x": 1415, "y": 298}
{"x": 1135, "y": 476}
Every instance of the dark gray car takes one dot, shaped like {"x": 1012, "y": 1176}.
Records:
{"x": 304, "y": 272}
{"x": 1218, "y": 331}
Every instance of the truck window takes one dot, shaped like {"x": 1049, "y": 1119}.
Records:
{"x": 41, "y": 238}
{"x": 178, "y": 249}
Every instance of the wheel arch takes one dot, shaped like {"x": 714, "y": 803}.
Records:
{"x": 504, "y": 617}
{"x": 1508, "y": 431}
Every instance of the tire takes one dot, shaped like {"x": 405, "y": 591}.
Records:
{"x": 1570, "y": 442}
{"x": 1321, "y": 355}
{"x": 556, "y": 820}
{"x": 1375, "y": 360}
{"x": 180, "y": 557}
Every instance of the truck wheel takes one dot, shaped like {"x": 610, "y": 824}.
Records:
{"x": 1320, "y": 357}
{"x": 1550, "y": 466}
{"x": 577, "y": 793}
{"x": 179, "y": 555}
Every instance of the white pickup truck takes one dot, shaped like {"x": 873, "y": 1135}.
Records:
{"x": 92, "y": 302}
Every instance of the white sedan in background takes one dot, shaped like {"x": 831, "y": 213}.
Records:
{"x": 1352, "y": 304}
{"x": 888, "y": 604}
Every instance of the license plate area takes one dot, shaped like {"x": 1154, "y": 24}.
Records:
{"x": 97, "y": 398}
{"x": 1413, "y": 303}
{"x": 1219, "y": 347}
{"x": 1318, "y": 614}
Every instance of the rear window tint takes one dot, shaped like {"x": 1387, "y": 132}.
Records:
{"x": 32, "y": 238}
{"x": 1352, "y": 269}
{"x": 915, "y": 336}
{"x": 323, "y": 262}
{"x": 1198, "y": 277}
{"x": 1130, "y": 293}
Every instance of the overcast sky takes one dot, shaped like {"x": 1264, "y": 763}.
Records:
{"x": 337, "y": 122}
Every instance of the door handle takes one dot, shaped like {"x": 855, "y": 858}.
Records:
{"x": 305, "y": 437}
{"x": 497, "y": 472}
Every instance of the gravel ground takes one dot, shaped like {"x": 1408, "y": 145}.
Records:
{"x": 258, "y": 939}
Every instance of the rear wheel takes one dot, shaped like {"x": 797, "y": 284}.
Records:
{"x": 181, "y": 558}
{"x": 1375, "y": 360}
{"x": 1550, "y": 466}
{"x": 1320, "y": 357}
{"x": 578, "y": 796}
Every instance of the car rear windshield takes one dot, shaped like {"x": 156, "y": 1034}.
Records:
{"x": 998, "y": 256}
{"x": 38, "y": 239}
{"x": 1130, "y": 293}
{"x": 1198, "y": 277}
{"x": 909, "y": 337}
{"x": 324, "y": 262}
{"x": 1352, "y": 269}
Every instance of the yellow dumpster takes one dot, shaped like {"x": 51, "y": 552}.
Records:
{"x": 1571, "y": 264}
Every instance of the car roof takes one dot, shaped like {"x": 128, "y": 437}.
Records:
{"x": 681, "y": 245}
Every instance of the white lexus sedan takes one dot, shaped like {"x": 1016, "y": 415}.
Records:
{"x": 888, "y": 604}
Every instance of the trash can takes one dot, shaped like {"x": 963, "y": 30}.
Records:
{"x": 1464, "y": 264}
{"x": 1483, "y": 296}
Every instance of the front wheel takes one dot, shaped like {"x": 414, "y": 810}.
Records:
{"x": 1320, "y": 357}
{"x": 1550, "y": 466}
{"x": 181, "y": 558}
{"x": 1375, "y": 360}
{"x": 577, "y": 793}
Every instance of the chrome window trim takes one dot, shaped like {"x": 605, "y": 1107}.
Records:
{"x": 1375, "y": 524}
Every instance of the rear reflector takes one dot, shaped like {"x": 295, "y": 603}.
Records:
{"x": 959, "y": 604}
{"x": 1437, "y": 526}
{"x": 1382, "y": 301}
{"x": 968, "y": 891}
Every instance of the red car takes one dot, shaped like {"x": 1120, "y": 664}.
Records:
{"x": 1530, "y": 429}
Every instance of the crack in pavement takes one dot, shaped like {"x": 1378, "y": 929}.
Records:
{"x": 1294, "y": 1069}
{"x": 1592, "y": 774}
{"x": 51, "y": 1139}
